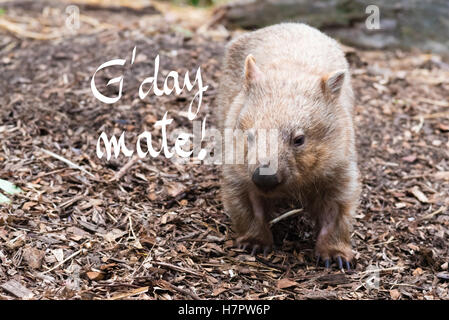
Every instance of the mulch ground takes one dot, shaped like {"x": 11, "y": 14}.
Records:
{"x": 160, "y": 231}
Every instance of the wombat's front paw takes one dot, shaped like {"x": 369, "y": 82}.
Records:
{"x": 256, "y": 243}
{"x": 340, "y": 253}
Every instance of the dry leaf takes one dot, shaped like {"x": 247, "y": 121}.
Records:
{"x": 14, "y": 287}
{"x": 95, "y": 275}
{"x": 16, "y": 242}
{"x": 59, "y": 254}
{"x": 148, "y": 241}
{"x": 218, "y": 291}
{"x": 413, "y": 247}
{"x": 395, "y": 294}
{"x": 168, "y": 217}
{"x": 411, "y": 158}
{"x": 418, "y": 272}
{"x": 152, "y": 196}
{"x": 107, "y": 266}
{"x": 130, "y": 293}
{"x": 175, "y": 188}
{"x": 33, "y": 257}
{"x": 400, "y": 205}
{"x": 442, "y": 175}
{"x": 286, "y": 283}
{"x": 77, "y": 234}
{"x": 150, "y": 119}
{"x": 443, "y": 127}
{"x": 114, "y": 234}
{"x": 443, "y": 275}
{"x": 419, "y": 195}
{"x": 28, "y": 205}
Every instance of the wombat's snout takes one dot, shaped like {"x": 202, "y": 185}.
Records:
{"x": 264, "y": 179}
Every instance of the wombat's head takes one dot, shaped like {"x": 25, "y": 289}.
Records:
{"x": 298, "y": 120}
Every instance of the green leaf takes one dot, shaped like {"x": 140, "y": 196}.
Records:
{"x": 8, "y": 187}
{"x": 2, "y": 11}
{"x": 4, "y": 199}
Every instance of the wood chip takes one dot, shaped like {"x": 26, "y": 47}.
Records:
{"x": 218, "y": 291}
{"x": 395, "y": 294}
{"x": 286, "y": 283}
{"x": 33, "y": 257}
{"x": 130, "y": 293}
{"x": 443, "y": 275}
{"x": 419, "y": 195}
{"x": 15, "y": 288}
{"x": 95, "y": 275}
{"x": 442, "y": 175}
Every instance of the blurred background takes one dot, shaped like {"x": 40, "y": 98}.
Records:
{"x": 398, "y": 24}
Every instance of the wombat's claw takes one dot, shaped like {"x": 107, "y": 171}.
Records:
{"x": 255, "y": 249}
{"x": 345, "y": 262}
{"x": 266, "y": 251}
{"x": 348, "y": 265}
{"x": 340, "y": 262}
{"x": 326, "y": 262}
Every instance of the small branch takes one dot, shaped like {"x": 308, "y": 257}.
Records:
{"x": 130, "y": 293}
{"x": 63, "y": 261}
{"x": 438, "y": 103}
{"x": 272, "y": 265}
{"x": 285, "y": 215}
{"x": 433, "y": 115}
{"x": 66, "y": 161}
{"x": 431, "y": 215}
{"x": 16, "y": 29}
{"x": 183, "y": 291}
{"x": 381, "y": 270}
{"x": 125, "y": 168}
{"x": 176, "y": 268}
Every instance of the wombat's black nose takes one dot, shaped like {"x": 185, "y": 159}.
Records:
{"x": 263, "y": 181}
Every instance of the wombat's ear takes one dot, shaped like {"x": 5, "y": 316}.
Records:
{"x": 333, "y": 82}
{"x": 252, "y": 71}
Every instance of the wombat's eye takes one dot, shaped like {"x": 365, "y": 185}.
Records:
{"x": 299, "y": 140}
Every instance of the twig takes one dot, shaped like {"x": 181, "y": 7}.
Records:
{"x": 125, "y": 168}
{"x": 72, "y": 201}
{"x": 434, "y": 102}
{"x": 14, "y": 28}
{"x": 402, "y": 285}
{"x": 70, "y": 163}
{"x": 381, "y": 270}
{"x": 285, "y": 215}
{"x": 431, "y": 215}
{"x": 271, "y": 265}
{"x": 148, "y": 257}
{"x": 130, "y": 293}
{"x": 183, "y": 291}
{"x": 63, "y": 261}
{"x": 433, "y": 115}
{"x": 176, "y": 268}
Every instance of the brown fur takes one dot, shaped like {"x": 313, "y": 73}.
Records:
{"x": 293, "y": 78}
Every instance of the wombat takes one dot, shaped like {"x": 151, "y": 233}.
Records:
{"x": 295, "y": 79}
